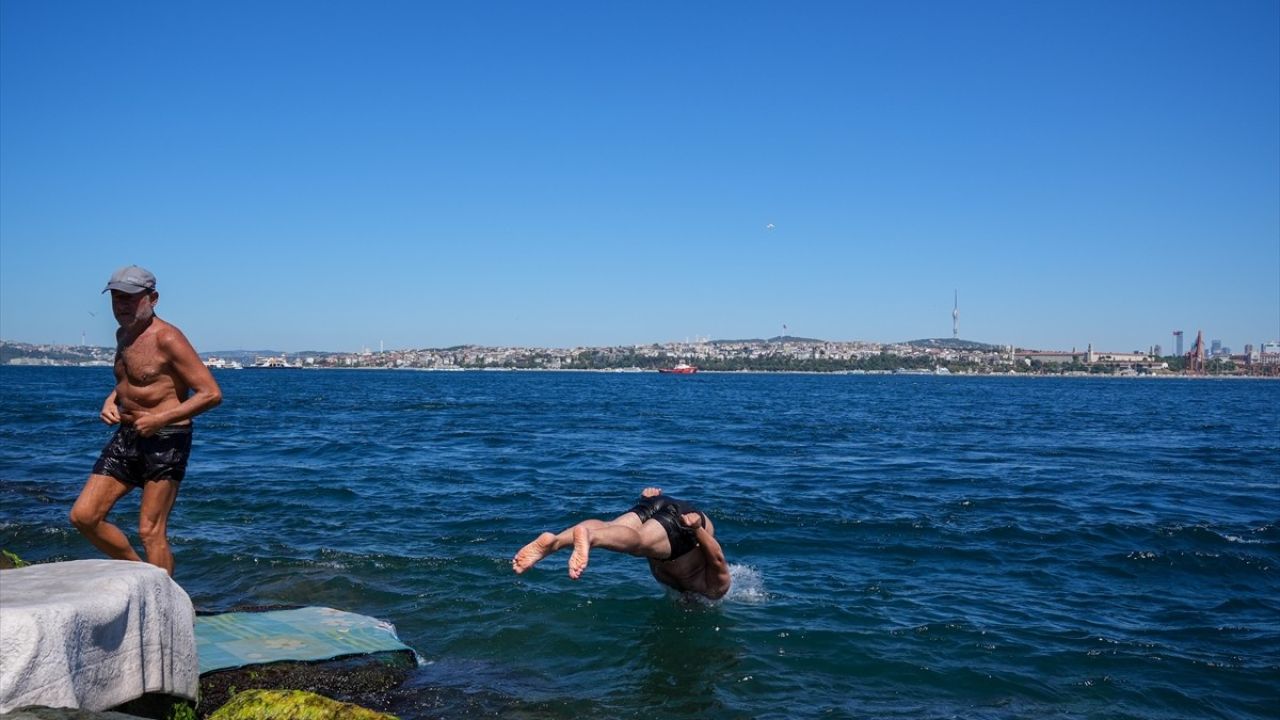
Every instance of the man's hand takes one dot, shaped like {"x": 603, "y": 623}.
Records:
{"x": 110, "y": 412}
{"x": 147, "y": 424}
{"x": 692, "y": 520}
{"x": 650, "y": 492}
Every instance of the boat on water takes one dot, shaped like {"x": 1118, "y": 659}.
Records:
{"x": 216, "y": 363}
{"x": 271, "y": 363}
{"x": 679, "y": 369}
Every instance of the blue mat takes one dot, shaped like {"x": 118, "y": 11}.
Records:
{"x": 232, "y": 640}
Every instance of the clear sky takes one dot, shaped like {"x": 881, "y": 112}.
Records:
{"x": 335, "y": 175}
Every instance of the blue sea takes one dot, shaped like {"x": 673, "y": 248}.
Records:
{"x": 901, "y": 546}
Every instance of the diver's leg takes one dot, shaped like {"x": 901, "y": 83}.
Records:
{"x": 649, "y": 541}
{"x": 547, "y": 543}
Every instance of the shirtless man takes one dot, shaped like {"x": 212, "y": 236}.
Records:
{"x": 677, "y": 539}
{"x": 160, "y": 385}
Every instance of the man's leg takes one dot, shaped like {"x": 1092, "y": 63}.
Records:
{"x": 648, "y": 541}
{"x": 153, "y": 521}
{"x": 89, "y": 515}
{"x": 547, "y": 543}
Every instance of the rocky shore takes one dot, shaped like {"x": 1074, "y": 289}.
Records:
{"x": 342, "y": 688}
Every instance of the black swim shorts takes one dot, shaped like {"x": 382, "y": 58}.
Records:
{"x": 668, "y": 512}
{"x": 133, "y": 459}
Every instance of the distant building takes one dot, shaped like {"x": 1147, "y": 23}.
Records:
{"x": 1051, "y": 357}
{"x": 1115, "y": 358}
{"x": 1089, "y": 357}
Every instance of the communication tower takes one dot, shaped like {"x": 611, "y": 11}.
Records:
{"x": 955, "y": 318}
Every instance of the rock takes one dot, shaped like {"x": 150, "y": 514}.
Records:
{"x": 291, "y": 705}
{"x": 365, "y": 679}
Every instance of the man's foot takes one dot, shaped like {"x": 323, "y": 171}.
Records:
{"x": 530, "y": 554}
{"x": 581, "y": 551}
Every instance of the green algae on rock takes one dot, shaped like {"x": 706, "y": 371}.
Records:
{"x": 9, "y": 561}
{"x": 291, "y": 705}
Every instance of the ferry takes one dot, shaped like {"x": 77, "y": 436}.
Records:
{"x": 679, "y": 369}
{"x": 271, "y": 363}
{"x": 216, "y": 363}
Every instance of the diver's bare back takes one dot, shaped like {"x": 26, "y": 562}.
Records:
{"x": 146, "y": 382}
{"x": 686, "y": 573}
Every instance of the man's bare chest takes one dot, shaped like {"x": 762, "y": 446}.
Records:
{"x": 140, "y": 362}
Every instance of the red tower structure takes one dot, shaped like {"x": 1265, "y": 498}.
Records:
{"x": 1195, "y": 358}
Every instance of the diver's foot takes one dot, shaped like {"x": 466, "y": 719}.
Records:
{"x": 581, "y": 551}
{"x": 530, "y": 554}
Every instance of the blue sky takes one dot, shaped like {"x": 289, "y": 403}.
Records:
{"x": 336, "y": 175}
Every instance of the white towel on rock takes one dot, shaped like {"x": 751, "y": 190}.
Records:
{"x": 93, "y": 634}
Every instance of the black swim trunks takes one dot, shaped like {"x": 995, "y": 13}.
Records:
{"x": 667, "y": 511}
{"x": 133, "y": 459}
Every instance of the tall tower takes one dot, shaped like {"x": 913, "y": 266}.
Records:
{"x": 955, "y": 318}
{"x": 1177, "y": 341}
{"x": 1195, "y": 358}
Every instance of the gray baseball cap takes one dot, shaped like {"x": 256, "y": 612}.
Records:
{"x": 131, "y": 279}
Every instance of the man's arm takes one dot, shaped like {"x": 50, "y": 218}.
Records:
{"x": 186, "y": 365}
{"x": 110, "y": 411}
{"x": 716, "y": 573}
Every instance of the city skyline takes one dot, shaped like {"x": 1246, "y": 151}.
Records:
{"x": 1168, "y": 344}
{"x": 333, "y": 176}
{"x": 1212, "y": 346}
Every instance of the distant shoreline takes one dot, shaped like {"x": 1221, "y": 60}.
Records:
{"x": 642, "y": 371}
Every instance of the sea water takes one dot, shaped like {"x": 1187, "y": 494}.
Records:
{"x": 901, "y": 547}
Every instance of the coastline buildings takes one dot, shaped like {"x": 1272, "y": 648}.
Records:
{"x": 777, "y": 354}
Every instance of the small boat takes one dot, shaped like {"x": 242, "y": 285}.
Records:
{"x": 679, "y": 369}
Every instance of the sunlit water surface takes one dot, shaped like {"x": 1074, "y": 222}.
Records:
{"x": 902, "y": 547}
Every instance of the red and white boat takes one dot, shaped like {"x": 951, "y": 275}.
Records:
{"x": 679, "y": 369}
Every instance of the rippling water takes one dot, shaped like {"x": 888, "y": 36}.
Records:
{"x": 902, "y": 547}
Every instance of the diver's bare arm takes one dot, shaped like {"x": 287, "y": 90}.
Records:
{"x": 717, "y": 571}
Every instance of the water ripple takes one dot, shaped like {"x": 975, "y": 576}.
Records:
{"x": 901, "y": 547}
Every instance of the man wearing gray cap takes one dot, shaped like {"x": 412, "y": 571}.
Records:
{"x": 160, "y": 385}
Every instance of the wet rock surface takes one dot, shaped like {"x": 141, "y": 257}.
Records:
{"x": 365, "y": 680}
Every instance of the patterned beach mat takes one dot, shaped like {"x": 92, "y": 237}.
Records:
{"x": 236, "y": 639}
